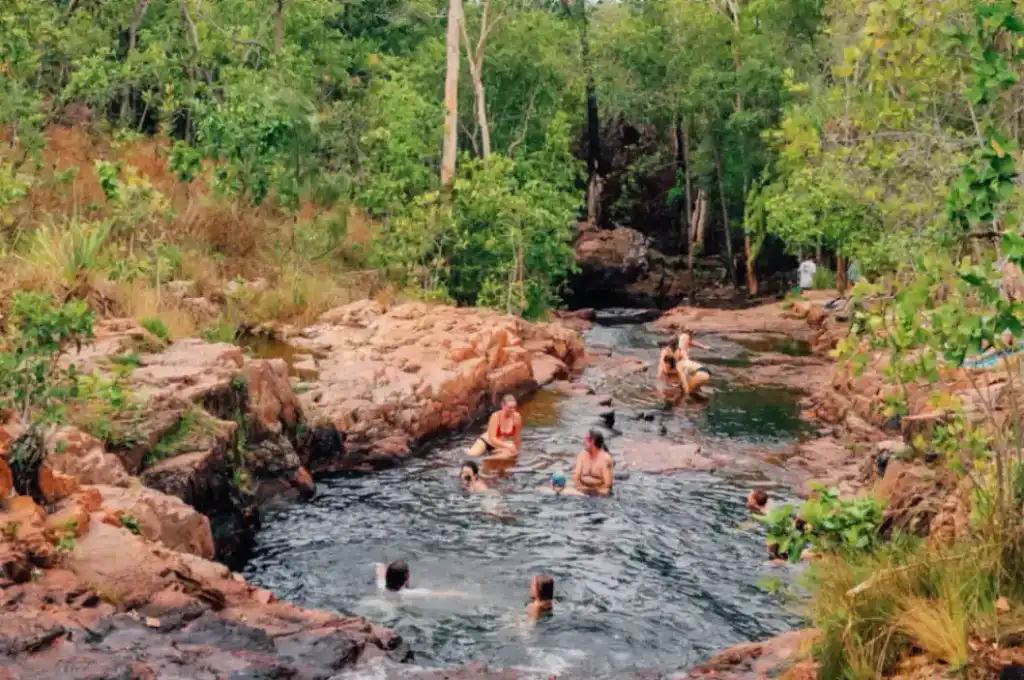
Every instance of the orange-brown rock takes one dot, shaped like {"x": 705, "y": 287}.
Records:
{"x": 122, "y": 606}
{"x": 160, "y": 518}
{"x": 400, "y": 375}
{"x": 75, "y": 458}
{"x": 769, "y": 658}
{"x": 6, "y": 479}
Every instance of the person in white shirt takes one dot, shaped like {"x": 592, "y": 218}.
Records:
{"x": 807, "y": 269}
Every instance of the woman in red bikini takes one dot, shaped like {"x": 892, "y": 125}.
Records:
{"x": 504, "y": 432}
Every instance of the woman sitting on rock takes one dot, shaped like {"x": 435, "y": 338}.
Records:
{"x": 504, "y": 432}
{"x": 675, "y": 364}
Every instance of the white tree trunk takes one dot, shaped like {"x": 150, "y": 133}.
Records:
{"x": 451, "y": 95}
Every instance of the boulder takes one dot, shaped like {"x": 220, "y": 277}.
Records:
{"x": 618, "y": 267}
{"x": 159, "y": 517}
{"x": 389, "y": 379}
{"x": 75, "y": 458}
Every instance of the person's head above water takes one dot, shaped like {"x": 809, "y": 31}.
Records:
{"x": 558, "y": 480}
{"x": 469, "y": 472}
{"x": 595, "y": 442}
{"x": 397, "y": 576}
{"x": 542, "y": 588}
{"x": 757, "y": 499}
{"x": 509, "y": 404}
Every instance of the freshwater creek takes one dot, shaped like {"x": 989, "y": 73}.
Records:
{"x": 658, "y": 576}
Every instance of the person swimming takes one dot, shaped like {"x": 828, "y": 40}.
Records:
{"x": 556, "y": 485}
{"x": 393, "y": 579}
{"x": 504, "y": 432}
{"x": 469, "y": 477}
{"x": 757, "y": 501}
{"x": 542, "y": 590}
{"x": 593, "y": 473}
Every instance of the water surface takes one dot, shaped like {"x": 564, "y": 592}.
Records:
{"x": 658, "y": 576}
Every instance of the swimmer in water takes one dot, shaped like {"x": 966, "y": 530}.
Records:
{"x": 504, "y": 432}
{"x": 557, "y": 486}
{"x": 593, "y": 473}
{"x": 394, "y": 579}
{"x": 542, "y": 590}
{"x": 757, "y": 501}
{"x": 469, "y": 477}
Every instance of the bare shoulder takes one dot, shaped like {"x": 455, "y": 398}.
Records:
{"x": 518, "y": 418}
{"x": 607, "y": 459}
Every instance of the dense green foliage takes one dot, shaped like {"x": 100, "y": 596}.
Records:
{"x": 825, "y": 523}
{"x": 33, "y": 384}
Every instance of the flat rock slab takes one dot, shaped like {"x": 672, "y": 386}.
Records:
{"x": 665, "y": 456}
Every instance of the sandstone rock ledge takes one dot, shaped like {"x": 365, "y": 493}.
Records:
{"x": 391, "y": 379}
{"x": 82, "y": 597}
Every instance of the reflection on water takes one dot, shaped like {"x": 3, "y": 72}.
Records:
{"x": 657, "y": 576}
{"x": 271, "y": 348}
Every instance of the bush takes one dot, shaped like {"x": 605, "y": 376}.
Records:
{"x": 825, "y": 523}
{"x": 504, "y": 237}
{"x": 32, "y": 383}
{"x": 157, "y": 327}
{"x": 823, "y": 279}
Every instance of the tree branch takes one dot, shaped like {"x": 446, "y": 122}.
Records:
{"x": 526, "y": 125}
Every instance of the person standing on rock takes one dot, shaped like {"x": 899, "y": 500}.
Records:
{"x": 504, "y": 432}
{"x": 593, "y": 472}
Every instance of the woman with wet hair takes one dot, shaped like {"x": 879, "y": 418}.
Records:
{"x": 504, "y": 432}
{"x": 593, "y": 473}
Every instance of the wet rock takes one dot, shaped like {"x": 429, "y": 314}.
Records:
{"x": 389, "y": 379}
{"x": 666, "y": 457}
{"x": 762, "y": 660}
{"x": 547, "y": 369}
{"x": 620, "y": 316}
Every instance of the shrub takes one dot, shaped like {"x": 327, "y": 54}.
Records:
{"x": 32, "y": 383}
{"x": 823, "y": 279}
{"x": 157, "y": 327}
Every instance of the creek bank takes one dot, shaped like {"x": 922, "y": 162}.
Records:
{"x": 109, "y": 574}
{"x": 392, "y": 379}
{"x": 85, "y": 593}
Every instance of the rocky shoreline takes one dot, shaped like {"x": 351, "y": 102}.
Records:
{"x": 112, "y": 567}
{"x": 108, "y": 572}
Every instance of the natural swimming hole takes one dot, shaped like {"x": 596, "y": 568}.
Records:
{"x": 658, "y": 576}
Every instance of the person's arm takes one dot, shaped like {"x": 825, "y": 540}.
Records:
{"x": 699, "y": 345}
{"x": 492, "y": 432}
{"x": 519, "y": 431}
{"x": 577, "y": 474}
{"x": 605, "y": 486}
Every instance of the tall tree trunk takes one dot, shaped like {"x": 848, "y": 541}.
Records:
{"x": 279, "y": 27}
{"x": 476, "y": 63}
{"x": 593, "y": 120}
{"x": 683, "y": 153}
{"x": 451, "y": 96}
{"x": 752, "y": 286}
{"x": 133, "y": 33}
{"x": 840, "y": 274}
{"x": 725, "y": 217}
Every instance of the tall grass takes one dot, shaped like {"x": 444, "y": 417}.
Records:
{"x": 874, "y": 610}
{"x": 67, "y": 254}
